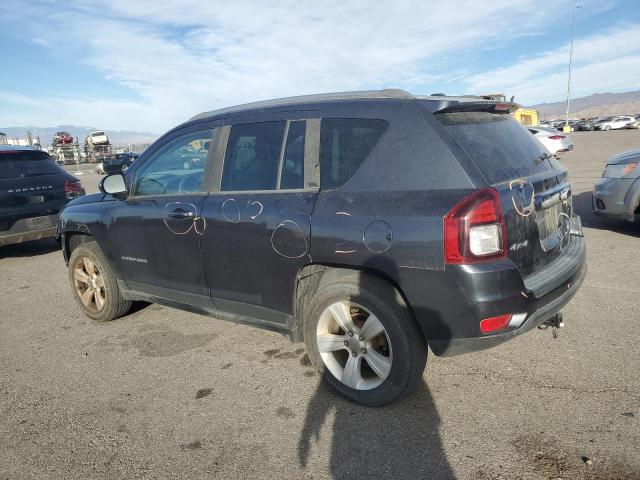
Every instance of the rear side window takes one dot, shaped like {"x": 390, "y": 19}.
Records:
{"x": 499, "y": 146}
{"x": 253, "y": 156}
{"x": 344, "y": 144}
{"x": 24, "y": 164}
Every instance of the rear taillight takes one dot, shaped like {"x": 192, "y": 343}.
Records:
{"x": 73, "y": 188}
{"x": 557, "y": 137}
{"x": 474, "y": 230}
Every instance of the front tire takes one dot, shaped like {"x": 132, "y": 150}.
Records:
{"x": 362, "y": 337}
{"x": 94, "y": 284}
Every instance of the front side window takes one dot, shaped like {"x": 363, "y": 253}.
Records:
{"x": 253, "y": 156}
{"x": 344, "y": 144}
{"x": 178, "y": 167}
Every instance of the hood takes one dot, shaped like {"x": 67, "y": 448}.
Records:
{"x": 92, "y": 198}
{"x": 625, "y": 157}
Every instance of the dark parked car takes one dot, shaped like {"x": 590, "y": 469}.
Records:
{"x": 33, "y": 189}
{"x": 369, "y": 225}
{"x": 583, "y": 126}
{"x": 116, "y": 163}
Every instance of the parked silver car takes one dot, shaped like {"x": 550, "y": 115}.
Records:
{"x": 617, "y": 193}
{"x": 615, "y": 123}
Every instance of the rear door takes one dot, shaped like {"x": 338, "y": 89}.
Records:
{"x": 31, "y": 185}
{"x": 533, "y": 185}
{"x": 258, "y": 222}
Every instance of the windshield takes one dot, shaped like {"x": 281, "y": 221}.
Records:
{"x": 501, "y": 148}
{"x": 24, "y": 164}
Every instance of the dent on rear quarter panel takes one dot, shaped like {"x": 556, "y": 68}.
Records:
{"x": 389, "y": 215}
{"x": 411, "y": 179}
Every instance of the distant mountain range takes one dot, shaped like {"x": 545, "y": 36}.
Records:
{"x": 116, "y": 137}
{"x": 596, "y": 105}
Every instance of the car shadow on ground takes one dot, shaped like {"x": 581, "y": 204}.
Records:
{"x": 401, "y": 440}
{"x": 30, "y": 249}
{"x": 582, "y": 206}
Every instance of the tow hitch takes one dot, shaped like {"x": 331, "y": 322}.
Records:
{"x": 555, "y": 323}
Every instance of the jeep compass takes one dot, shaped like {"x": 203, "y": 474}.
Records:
{"x": 370, "y": 225}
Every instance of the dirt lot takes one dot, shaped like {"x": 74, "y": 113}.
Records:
{"x": 167, "y": 394}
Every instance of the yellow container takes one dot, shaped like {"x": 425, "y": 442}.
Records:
{"x": 526, "y": 116}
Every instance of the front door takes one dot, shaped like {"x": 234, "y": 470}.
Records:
{"x": 156, "y": 232}
{"x": 258, "y": 223}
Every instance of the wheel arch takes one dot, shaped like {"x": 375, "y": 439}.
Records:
{"x": 71, "y": 241}
{"x": 632, "y": 199}
{"x": 311, "y": 277}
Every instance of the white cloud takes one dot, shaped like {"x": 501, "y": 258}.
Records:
{"x": 605, "y": 61}
{"x": 180, "y": 58}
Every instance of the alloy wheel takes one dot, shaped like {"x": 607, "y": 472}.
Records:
{"x": 354, "y": 345}
{"x": 89, "y": 284}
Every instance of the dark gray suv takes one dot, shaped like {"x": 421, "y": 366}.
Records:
{"x": 369, "y": 225}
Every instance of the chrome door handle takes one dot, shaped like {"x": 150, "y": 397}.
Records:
{"x": 180, "y": 213}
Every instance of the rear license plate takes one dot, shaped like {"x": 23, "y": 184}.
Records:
{"x": 37, "y": 223}
{"x": 550, "y": 220}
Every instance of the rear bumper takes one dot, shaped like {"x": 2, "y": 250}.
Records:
{"x": 542, "y": 312}
{"x": 566, "y": 147}
{"x": 21, "y": 231}
{"x": 450, "y": 304}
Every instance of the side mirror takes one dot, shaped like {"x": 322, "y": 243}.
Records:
{"x": 114, "y": 185}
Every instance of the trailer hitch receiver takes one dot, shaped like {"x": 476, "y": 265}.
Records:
{"x": 555, "y": 322}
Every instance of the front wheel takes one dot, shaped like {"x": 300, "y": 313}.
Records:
{"x": 362, "y": 337}
{"x": 94, "y": 284}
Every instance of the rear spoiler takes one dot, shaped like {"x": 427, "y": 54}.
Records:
{"x": 479, "y": 106}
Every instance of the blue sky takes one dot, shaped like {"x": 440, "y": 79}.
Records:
{"x": 147, "y": 65}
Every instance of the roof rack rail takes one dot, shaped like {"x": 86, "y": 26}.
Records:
{"x": 320, "y": 97}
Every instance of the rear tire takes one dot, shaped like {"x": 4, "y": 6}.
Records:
{"x": 370, "y": 370}
{"x": 94, "y": 284}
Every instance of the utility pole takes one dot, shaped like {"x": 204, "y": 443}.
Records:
{"x": 566, "y": 128}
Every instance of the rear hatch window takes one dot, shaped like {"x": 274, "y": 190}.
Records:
{"x": 501, "y": 148}
{"x": 533, "y": 185}
{"x": 25, "y": 164}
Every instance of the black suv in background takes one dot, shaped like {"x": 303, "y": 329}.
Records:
{"x": 117, "y": 163}
{"x": 369, "y": 224}
{"x": 33, "y": 189}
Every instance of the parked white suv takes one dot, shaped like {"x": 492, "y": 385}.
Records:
{"x": 615, "y": 123}
{"x": 98, "y": 138}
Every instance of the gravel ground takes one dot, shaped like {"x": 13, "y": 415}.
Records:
{"x": 167, "y": 394}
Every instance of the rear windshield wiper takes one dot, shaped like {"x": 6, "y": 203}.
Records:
{"x": 542, "y": 157}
